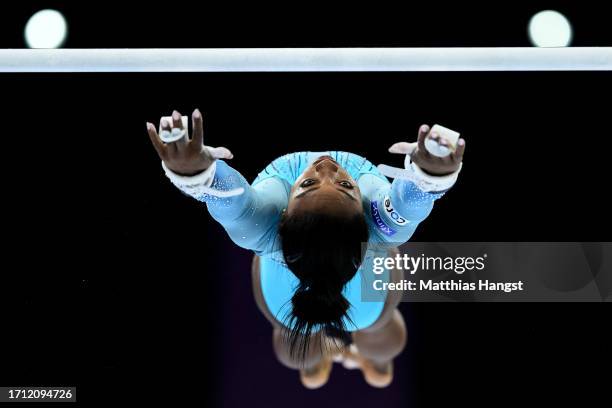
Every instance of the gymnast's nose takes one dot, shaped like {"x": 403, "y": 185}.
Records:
{"x": 327, "y": 169}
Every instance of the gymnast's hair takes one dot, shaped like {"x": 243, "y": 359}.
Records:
{"x": 324, "y": 252}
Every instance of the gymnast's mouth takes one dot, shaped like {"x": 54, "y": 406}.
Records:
{"x": 322, "y": 158}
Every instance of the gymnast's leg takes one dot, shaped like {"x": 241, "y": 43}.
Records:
{"x": 378, "y": 347}
{"x": 380, "y": 343}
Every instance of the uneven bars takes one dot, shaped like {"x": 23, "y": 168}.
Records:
{"x": 306, "y": 59}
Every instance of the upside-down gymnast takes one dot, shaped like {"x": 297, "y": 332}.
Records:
{"x": 305, "y": 217}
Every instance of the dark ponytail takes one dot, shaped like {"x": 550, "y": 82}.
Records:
{"x": 324, "y": 252}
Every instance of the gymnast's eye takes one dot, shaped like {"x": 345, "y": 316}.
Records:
{"x": 307, "y": 182}
{"x": 346, "y": 184}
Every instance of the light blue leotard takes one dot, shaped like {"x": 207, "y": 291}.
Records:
{"x": 393, "y": 211}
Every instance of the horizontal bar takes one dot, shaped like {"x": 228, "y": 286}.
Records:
{"x": 306, "y": 59}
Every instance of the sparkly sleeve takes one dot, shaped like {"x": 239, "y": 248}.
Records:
{"x": 396, "y": 209}
{"x": 251, "y": 218}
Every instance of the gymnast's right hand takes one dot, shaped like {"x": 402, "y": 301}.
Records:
{"x": 186, "y": 156}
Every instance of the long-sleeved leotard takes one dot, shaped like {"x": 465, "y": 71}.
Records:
{"x": 393, "y": 211}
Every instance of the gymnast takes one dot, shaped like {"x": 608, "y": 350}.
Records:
{"x": 308, "y": 217}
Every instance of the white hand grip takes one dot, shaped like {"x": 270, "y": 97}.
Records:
{"x": 395, "y": 172}
{"x": 449, "y": 135}
{"x": 200, "y": 184}
{"x": 176, "y": 133}
{"x": 422, "y": 180}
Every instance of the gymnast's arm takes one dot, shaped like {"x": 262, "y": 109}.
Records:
{"x": 249, "y": 218}
{"x": 401, "y": 206}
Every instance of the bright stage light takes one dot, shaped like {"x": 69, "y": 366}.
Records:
{"x": 46, "y": 29}
{"x": 550, "y": 28}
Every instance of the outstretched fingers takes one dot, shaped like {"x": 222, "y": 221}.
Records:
{"x": 197, "y": 137}
{"x": 220, "y": 152}
{"x": 156, "y": 141}
{"x": 402, "y": 148}
{"x": 458, "y": 155}
{"x": 423, "y": 131}
{"x": 177, "y": 123}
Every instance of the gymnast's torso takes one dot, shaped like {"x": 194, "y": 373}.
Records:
{"x": 278, "y": 283}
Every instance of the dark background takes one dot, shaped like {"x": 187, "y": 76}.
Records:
{"x": 433, "y": 23}
{"x": 116, "y": 283}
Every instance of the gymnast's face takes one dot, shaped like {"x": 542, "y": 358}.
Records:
{"x": 325, "y": 186}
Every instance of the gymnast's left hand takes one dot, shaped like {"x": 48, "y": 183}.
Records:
{"x": 437, "y": 166}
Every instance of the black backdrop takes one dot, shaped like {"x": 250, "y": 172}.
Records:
{"x": 432, "y": 23}
{"x": 115, "y": 282}
{"x": 93, "y": 292}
